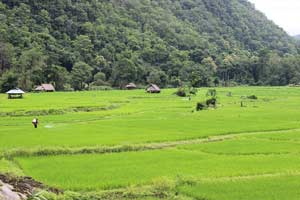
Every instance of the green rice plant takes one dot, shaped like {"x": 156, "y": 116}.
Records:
{"x": 107, "y": 171}
{"x": 246, "y": 146}
{"x": 261, "y": 188}
{"x": 153, "y": 146}
{"x": 9, "y": 167}
{"x": 135, "y": 120}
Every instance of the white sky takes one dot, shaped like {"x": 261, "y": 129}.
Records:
{"x": 285, "y": 13}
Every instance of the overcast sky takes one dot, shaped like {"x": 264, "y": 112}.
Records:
{"x": 285, "y": 13}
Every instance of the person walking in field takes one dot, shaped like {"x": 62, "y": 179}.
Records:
{"x": 35, "y": 122}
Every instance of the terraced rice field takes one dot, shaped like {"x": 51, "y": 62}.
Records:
{"x": 129, "y": 141}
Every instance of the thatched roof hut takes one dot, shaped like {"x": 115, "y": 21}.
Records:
{"x": 130, "y": 86}
{"x": 153, "y": 89}
{"x": 39, "y": 89}
{"x": 45, "y": 88}
{"x": 15, "y": 93}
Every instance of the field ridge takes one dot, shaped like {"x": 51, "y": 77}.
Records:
{"x": 135, "y": 147}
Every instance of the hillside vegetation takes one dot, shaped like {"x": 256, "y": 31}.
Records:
{"x": 76, "y": 44}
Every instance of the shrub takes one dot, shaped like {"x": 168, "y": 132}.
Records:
{"x": 99, "y": 88}
{"x": 186, "y": 91}
{"x": 212, "y": 98}
{"x": 212, "y": 93}
{"x": 211, "y": 102}
{"x": 68, "y": 88}
{"x": 252, "y": 97}
{"x": 42, "y": 195}
{"x": 162, "y": 186}
{"x": 181, "y": 92}
{"x": 229, "y": 94}
{"x": 200, "y": 106}
{"x": 193, "y": 91}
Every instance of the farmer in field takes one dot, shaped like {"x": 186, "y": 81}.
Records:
{"x": 35, "y": 122}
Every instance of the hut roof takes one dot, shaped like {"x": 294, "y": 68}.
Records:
{"x": 48, "y": 87}
{"x": 45, "y": 87}
{"x": 15, "y": 91}
{"x": 39, "y": 88}
{"x": 153, "y": 88}
{"x": 131, "y": 85}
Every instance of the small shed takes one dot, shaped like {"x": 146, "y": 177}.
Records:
{"x": 130, "y": 86}
{"x": 45, "y": 88}
{"x": 153, "y": 89}
{"x": 15, "y": 93}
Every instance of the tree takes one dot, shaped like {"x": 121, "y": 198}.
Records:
{"x": 30, "y": 67}
{"x": 226, "y": 67}
{"x": 158, "y": 77}
{"x": 209, "y": 64}
{"x": 124, "y": 72}
{"x": 194, "y": 41}
{"x": 8, "y": 80}
{"x": 84, "y": 48}
{"x": 99, "y": 79}
{"x": 81, "y": 75}
{"x": 57, "y": 75}
{"x": 6, "y": 56}
{"x": 197, "y": 75}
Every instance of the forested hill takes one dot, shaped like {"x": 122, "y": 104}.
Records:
{"x": 297, "y": 37}
{"x": 89, "y": 43}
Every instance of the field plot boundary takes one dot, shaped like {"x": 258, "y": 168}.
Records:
{"x": 248, "y": 177}
{"x": 134, "y": 147}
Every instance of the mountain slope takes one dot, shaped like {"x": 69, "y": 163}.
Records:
{"x": 113, "y": 42}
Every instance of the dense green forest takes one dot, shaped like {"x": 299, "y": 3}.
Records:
{"x": 80, "y": 44}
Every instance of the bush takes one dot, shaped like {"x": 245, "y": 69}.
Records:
{"x": 200, "y": 106}
{"x": 68, "y": 88}
{"x": 252, "y": 97}
{"x": 211, "y": 102}
{"x": 193, "y": 91}
{"x": 162, "y": 186}
{"x": 212, "y": 98}
{"x": 99, "y": 88}
{"x": 212, "y": 93}
{"x": 181, "y": 92}
{"x": 186, "y": 91}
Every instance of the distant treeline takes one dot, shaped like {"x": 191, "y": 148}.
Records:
{"x": 78, "y": 44}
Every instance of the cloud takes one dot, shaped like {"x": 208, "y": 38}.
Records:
{"x": 285, "y": 13}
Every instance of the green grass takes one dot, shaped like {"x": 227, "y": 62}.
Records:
{"x": 264, "y": 142}
{"x": 266, "y": 188}
{"x": 9, "y": 167}
{"x": 247, "y": 146}
{"x": 285, "y": 136}
{"x": 92, "y": 172}
{"x": 143, "y": 118}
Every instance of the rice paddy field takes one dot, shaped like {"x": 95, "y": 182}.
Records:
{"x": 156, "y": 146}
